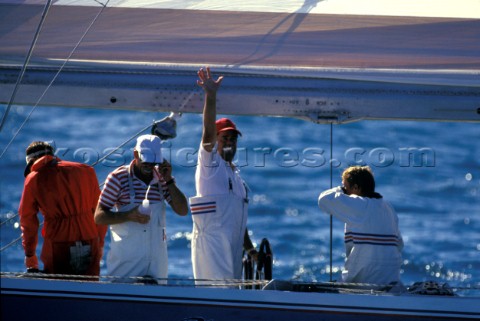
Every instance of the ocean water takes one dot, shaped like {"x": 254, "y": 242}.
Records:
{"x": 430, "y": 172}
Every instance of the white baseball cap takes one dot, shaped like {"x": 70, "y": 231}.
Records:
{"x": 149, "y": 149}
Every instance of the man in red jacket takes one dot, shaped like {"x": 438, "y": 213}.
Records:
{"x": 66, "y": 193}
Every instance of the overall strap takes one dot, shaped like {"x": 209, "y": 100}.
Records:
{"x": 130, "y": 184}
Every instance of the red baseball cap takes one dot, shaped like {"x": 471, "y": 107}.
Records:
{"x": 224, "y": 124}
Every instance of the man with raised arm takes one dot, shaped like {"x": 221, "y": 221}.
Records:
{"x": 219, "y": 211}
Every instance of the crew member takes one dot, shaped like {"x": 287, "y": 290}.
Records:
{"x": 132, "y": 202}
{"x": 66, "y": 193}
{"x": 219, "y": 211}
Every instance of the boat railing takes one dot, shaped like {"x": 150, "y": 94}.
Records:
{"x": 417, "y": 288}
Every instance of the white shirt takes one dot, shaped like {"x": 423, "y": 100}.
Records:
{"x": 373, "y": 241}
{"x": 215, "y": 176}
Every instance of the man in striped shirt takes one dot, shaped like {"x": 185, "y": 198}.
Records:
{"x": 373, "y": 241}
{"x": 132, "y": 202}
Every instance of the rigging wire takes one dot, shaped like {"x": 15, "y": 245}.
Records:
{"x": 94, "y": 164}
{"x": 16, "y": 215}
{"x": 56, "y": 75}
{"x": 103, "y": 5}
{"x": 16, "y": 240}
{"x": 331, "y": 216}
{"x": 8, "y": 219}
{"x": 121, "y": 145}
{"x": 179, "y": 112}
{"x": 45, "y": 91}
{"x": 17, "y": 132}
{"x": 48, "y": 5}
{"x": 25, "y": 64}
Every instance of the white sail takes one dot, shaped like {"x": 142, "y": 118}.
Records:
{"x": 328, "y": 61}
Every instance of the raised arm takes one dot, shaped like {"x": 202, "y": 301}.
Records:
{"x": 347, "y": 208}
{"x": 210, "y": 87}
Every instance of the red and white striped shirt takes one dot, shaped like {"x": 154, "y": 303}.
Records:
{"x": 116, "y": 189}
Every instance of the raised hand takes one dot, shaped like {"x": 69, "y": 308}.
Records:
{"x": 209, "y": 85}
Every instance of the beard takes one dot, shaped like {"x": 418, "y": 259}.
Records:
{"x": 228, "y": 153}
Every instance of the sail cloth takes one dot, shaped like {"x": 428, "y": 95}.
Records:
{"x": 150, "y": 33}
{"x": 311, "y": 40}
{"x": 419, "y": 8}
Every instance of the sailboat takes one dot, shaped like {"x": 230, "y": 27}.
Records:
{"x": 307, "y": 60}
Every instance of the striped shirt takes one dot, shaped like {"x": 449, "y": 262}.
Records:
{"x": 116, "y": 189}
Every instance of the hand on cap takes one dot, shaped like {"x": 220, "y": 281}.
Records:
{"x": 207, "y": 82}
{"x": 165, "y": 169}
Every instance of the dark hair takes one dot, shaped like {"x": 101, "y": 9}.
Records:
{"x": 37, "y": 147}
{"x": 36, "y": 150}
{"x": 363, "y": 177}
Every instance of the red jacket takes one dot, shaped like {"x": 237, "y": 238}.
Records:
{"x": 66, "y": 193}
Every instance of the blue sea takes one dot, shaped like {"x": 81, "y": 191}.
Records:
{"x": 430, "y": 172}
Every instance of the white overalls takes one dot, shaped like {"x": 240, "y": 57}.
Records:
{"x": 219, "y": 223}
{"x": 139, "y": 249}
